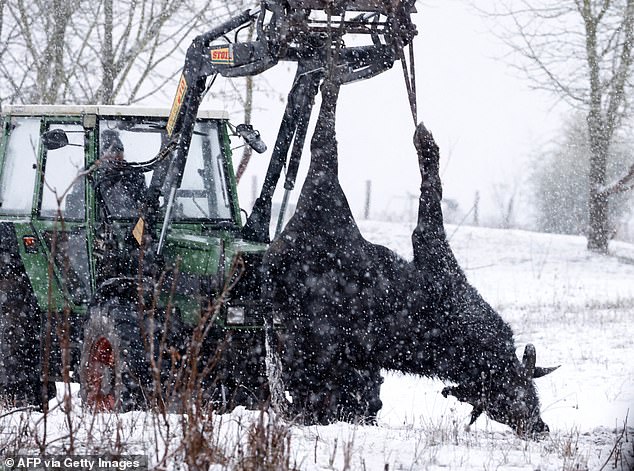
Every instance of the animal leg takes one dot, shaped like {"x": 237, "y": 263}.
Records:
{"x": 317, "y": 265}
{"x": 432, "y": 254}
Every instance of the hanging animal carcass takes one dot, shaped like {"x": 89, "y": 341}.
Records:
{"x": 351, "y": 308}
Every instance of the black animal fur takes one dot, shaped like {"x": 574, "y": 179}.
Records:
{"x": 351, "y": 307}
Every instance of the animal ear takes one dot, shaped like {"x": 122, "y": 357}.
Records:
{"x": 529, "y": 358}
{"x": 541, "y": 371}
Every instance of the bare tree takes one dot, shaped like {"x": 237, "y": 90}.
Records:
{"x": 560, "y": 177}
{"x": 582, "y": 51}
{"x": 98, "y": 51}
{"x": 107, "y": 51}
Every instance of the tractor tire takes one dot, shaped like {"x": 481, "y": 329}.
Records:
{"x": 20, "y": 354}
{"x": 114, "y": 373}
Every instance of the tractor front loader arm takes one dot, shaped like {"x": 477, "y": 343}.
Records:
{"x": 203, "y": 60}
{"x": 353, "y": 64}
{"x": 286, "y": 30}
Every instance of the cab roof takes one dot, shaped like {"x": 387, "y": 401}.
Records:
{"x": 101, "y": 110}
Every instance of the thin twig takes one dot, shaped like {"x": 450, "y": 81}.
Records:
{"x": 19, "y": 409}
{"x": 618, "y": 441}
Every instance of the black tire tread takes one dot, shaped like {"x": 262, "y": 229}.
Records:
{"x": 20, "y": 328}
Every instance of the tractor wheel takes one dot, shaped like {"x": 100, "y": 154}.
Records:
{"x": 20, "y": 329}
{"x": 113, "y": 373}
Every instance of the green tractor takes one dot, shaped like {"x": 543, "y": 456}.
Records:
{"x": 123, "y": 257}
{"x": 76, "y": 290}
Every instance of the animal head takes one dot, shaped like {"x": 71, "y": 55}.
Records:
{"x": 508, "y": 396}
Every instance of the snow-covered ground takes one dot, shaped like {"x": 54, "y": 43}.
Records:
{"x": 576, "y": 307}
{"x": 578, "y": 310}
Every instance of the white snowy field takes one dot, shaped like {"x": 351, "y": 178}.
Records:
{"x": 577, "y": 308}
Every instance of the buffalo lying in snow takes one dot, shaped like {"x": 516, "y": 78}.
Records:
{"x": 351, "y": 307}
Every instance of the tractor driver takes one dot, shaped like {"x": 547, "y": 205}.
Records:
{"x": 120, "y": 185}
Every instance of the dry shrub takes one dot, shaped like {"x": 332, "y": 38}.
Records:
{"x": 268, "y": 445}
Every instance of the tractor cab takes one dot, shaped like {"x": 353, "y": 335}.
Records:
{"x": 87, "y": 165}
{"x": 67, "y": 145}
{"x": 78, "y": 198}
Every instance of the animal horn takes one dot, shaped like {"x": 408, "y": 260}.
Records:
{"x": 475, "y": 413}
{"x": 543, "y": 371}
{"x": 529, "y": 358}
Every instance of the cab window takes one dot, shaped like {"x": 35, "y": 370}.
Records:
{"x": 203, "y": 193}
{"x": 63, "y": 188}
{"x": 17, "y": 177}
{"x": 121, "y": 185}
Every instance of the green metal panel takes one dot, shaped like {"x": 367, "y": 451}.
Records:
{"x": 194, "y": 254}
{"x": 37, "y": 268}
{"x": 91, "y": 217}
{"x": 201, "y": 255}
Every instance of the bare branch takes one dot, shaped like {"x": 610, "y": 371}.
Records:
{"x": 52, "y": 50}
{"x": 623, "y": 184}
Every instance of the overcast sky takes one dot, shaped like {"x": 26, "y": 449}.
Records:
{"x": 483, "y": 115}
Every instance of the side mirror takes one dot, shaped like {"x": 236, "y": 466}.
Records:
{"x": 54, "y": 139}
{"x": 252, "y": 137}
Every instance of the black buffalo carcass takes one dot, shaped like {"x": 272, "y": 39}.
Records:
{"x": 351, "y": 307}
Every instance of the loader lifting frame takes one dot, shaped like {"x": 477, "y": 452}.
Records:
{"x": 309, "y": 32}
